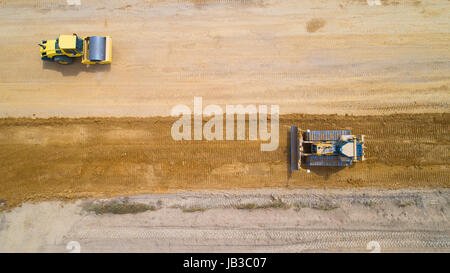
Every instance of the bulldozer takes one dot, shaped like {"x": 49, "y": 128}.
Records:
{"x": 92, "y": 49}
{"x": 334, "y": 148}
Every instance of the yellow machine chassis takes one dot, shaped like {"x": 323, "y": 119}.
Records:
{"x": 108, "y": 52}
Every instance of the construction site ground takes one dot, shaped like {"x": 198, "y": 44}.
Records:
{"x": 314, "y": 57}
{"x": 263, "y": 220}
{"x": 50, "y": 159}
{"x": 104, "y": 131}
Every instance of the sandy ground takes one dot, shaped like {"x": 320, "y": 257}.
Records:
{"x": 316, "y": 57}
{"x": 397, "y": 221}
{"x": 383, "y": 69}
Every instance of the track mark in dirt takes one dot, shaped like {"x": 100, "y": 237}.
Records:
{"x": 315, "y": 24}
{"x": 125, "y": 7}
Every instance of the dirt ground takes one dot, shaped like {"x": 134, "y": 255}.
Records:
{"x": 51, "y": 159}
{"x": 361, "y": 220}
{"x": 75, "y": 132}
{"x": 314, "y": 57}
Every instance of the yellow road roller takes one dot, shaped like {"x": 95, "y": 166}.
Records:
{"x": 92, "y": 49}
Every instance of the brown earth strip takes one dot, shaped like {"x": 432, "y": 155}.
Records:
{"x": 66, "y": 159}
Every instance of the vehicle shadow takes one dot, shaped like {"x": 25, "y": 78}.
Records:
{"x": 288, "y": 155}
{"x": 325, "y": 172}
{"x": 75, "y": 68}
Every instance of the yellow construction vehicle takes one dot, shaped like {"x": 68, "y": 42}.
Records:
{"x": 93, "y": 49}
{"x": 331, "y": 148}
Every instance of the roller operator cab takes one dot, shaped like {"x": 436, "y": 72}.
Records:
{"x": 335, "y": 148}
{"x": 93, "y": 49}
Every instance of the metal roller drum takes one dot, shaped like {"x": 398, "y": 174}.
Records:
{"x": 97, "y": 46}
